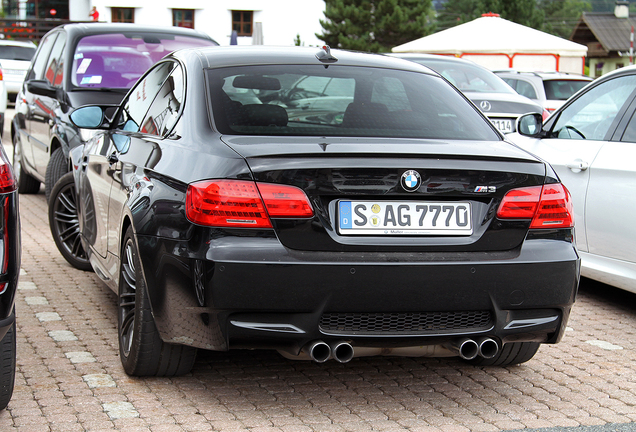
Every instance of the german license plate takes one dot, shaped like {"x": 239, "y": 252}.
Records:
{"x": 504, "y": 126}
{"x": 404, "y": 218}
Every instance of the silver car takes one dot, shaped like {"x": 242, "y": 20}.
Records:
{"x": 549, "y": 89}
{"x": 496, "y": 99}
{"x": 15, "y": 57}
{"x": 591, "y": 143}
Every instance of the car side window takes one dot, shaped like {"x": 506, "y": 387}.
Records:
{"x": 630, "y": 132}
{"x": 141, "y": 97}
{"x": 591, "y": 115}
{"x": 54, "y": 73}
{"x": 524, "y": 88}
{"x": 37, "y": 69}
{"x": 164, "y": 110}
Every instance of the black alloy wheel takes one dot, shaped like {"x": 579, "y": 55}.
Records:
{"x": 142, "y": 351}
{"x": 64, "y": 223}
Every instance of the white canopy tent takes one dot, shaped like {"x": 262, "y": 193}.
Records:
{"x": 497, "y": 44}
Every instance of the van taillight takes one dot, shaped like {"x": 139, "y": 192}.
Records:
{"x": 244, "y": 204}
{"x": 549, "y": 206}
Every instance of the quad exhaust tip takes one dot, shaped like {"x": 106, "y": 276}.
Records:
{"x": 319, "y": 351}
{"x": 468, "y": 349}
{"x": 342, "y": 352}
{"x": 488, "y": 348}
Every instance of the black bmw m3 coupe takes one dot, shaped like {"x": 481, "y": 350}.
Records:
{"x": 325, "y": 204}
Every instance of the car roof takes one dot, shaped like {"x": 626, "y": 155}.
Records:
{"x": 9, "y": 42}
{"x": 224, "y": 56}
{"x": 434, "y": 57}
{"x": 86, "y": 29}
{"x": 544, "y": 75}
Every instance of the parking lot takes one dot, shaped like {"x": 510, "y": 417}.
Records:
{"x": 69, "y": 377}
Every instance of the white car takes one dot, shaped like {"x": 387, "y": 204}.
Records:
{"x": 15, "y": 58}
{"x": 549, "y": 89}
{"x": 591, "y": 143}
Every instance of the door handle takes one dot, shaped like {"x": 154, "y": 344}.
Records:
{"x": 113, "y": 159}
{"x": 578, "y": 165}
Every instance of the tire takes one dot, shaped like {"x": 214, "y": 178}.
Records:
{"x": 511, "y": 354}
{"x": 142, "y": 352}
{"x": 27, "y": 184}
{"x": 56, "y": 168}
{"x": 64, "y": 223}
{"x": 7, "y": 366}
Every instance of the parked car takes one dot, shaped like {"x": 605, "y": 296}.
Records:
{"x": 75, "y": 65}
{"x": 15, "y": 58}
{"x": 491, "y": 94}
{"x": 409, "y": 229}
{"x": 10, "y": 251}
{"x": 548, "y": 89}
{"x": 591, "y": 143}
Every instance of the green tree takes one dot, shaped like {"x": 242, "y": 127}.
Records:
{"x": 455, "y": 12}
{"x": 374, "y": 25}
{"x": 561, "y": 16}
{"x": 524, "y": 12}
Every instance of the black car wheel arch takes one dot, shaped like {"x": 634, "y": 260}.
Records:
{"x": 27, "y": 184}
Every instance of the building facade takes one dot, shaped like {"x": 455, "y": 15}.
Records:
{"x": 269, "y": 22}
{"x": 608, "y": 37}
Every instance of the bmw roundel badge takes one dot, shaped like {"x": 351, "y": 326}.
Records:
{"x": 411, "y": 180}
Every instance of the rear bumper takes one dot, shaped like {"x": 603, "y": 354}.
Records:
{"x": 246, "y": 292}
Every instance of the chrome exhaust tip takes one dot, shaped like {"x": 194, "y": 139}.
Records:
{"x": 488, "y": 348}
{"x": 342, "y": 352}
{"x": 466, "y": 348}
{"x": 319, "y": 351}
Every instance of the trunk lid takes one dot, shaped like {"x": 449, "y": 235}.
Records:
{"x": 452, "y": 177}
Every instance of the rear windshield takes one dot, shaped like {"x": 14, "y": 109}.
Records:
{"x": 341, "y": 101}
{"x": 9, "y": 52}
{"x": 117, "y": 60}
{"x": 562, "y": 89}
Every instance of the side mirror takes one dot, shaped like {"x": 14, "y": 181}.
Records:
{"x": 530, "y": 125}
{"x": 89, "y": 117}
{"x": 41, "y": 88}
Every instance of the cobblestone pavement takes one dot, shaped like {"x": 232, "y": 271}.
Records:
{"x": 69, "y": 377}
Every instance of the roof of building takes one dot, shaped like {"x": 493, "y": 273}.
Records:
{"x": 492, "y": 34}
{"x": 606, "y": 29}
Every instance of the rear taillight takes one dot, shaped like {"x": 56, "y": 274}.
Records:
{"x": 545, "y": 114}
{"x": 244, "y": 204}
{"x": 5, "y": 241}
{"x": 549, "y": 206}
{"x": 7, "y": 181}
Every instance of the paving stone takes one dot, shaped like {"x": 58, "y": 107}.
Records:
{"x": 80, "y": 357}
{"x": 48, "y": 316}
